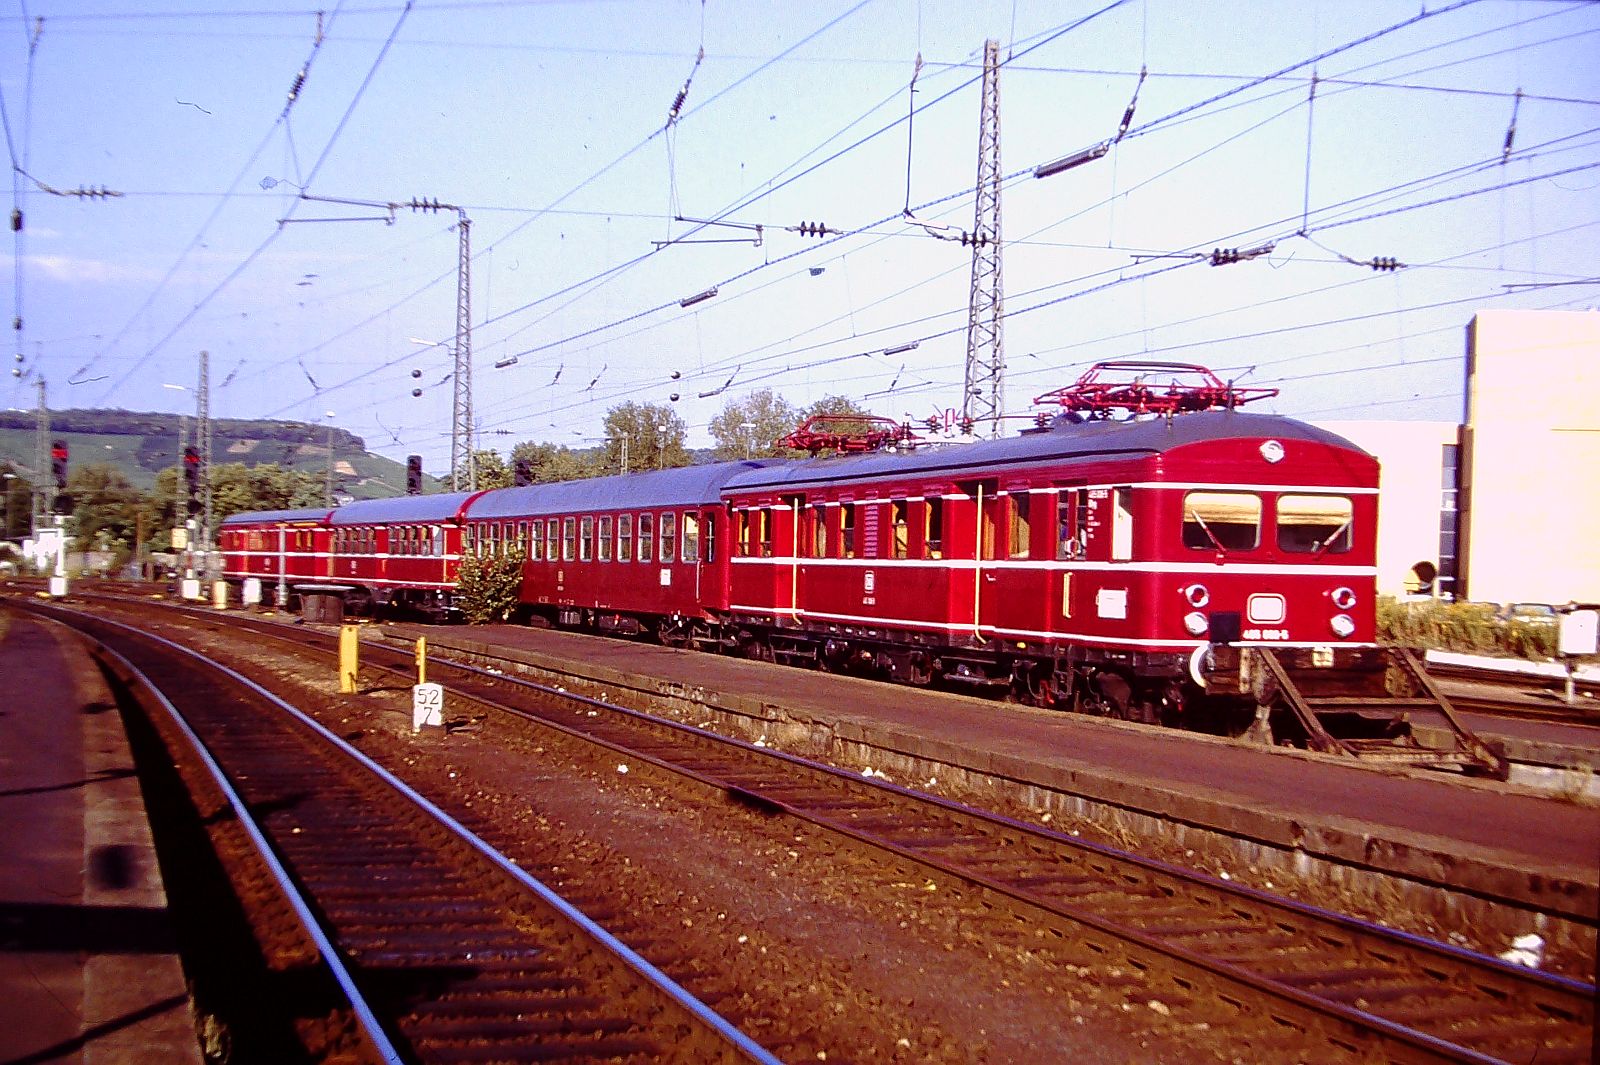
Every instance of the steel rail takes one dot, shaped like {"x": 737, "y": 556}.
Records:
{"x": 736, "y": 1040}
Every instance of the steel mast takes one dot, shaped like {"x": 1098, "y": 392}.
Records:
{"x": 983, "y": 401}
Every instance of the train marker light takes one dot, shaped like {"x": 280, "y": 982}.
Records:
{"x": 1196, "y": 622}
{"x": 1342, "y": 626}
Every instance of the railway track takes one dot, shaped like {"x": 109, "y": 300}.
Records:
{"x": 443, "y": 950}
{"x": 1222, "y": 953}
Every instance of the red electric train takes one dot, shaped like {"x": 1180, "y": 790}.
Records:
{"x": 1185, "y": 563}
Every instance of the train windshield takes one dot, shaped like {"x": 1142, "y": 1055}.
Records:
{"x": 1223, "y": 521}
{"x": 1315, "y": 524}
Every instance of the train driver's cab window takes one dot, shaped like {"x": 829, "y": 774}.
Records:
{"x": 1221, "y": 521}
{"x": 625, "y": 538}
{"x": 1315, "y": 524}
{"x": 647, "y": 535}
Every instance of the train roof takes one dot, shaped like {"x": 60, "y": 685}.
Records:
{"x": 403, "y": 510}
{"x": 1062, "y": 442}
{"x": 677, "y": 487}
{"x": 273, "y": 517}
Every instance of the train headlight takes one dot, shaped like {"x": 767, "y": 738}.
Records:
{"x": 1342, "y": 625}
{"x": 1197, "y": 596}
{"x": 1196, "y": 623}
{"x": 1344, "y": 598}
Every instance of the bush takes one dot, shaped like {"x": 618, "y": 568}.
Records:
{"x": 1470, "y": 628}
{"x": 490, "y": 587}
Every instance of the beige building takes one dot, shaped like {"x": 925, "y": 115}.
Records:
{"x": 1530, "y": 455}
{"x": 1505, "y": 508}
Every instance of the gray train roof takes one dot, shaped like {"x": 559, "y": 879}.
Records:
{"x": 678, "y": 487}
{"x": 256, "y": 517}
{"x": 1063, "y": 442}
{"x": 402, "y": 510}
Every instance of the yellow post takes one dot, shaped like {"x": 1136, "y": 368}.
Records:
{"x": 422, "y": 660}
{"x": 349, "y": 657}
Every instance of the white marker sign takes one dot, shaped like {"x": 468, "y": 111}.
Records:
{"x": 427, "y": 706}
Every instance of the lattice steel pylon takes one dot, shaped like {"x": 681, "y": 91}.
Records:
{"x": 983, "y": 401}
{"x": 44, "y": 485}
{"x": 202, "y": 444}
{"x": 461, "y": 423}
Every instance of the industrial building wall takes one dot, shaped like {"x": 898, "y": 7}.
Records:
{"x": 1531, "y": 457}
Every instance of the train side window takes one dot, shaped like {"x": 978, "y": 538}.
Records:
{"x": 1315, "y": 524}
{"x": 847, "y": 530}
{"x": 625, "y": 538}
{"x": 605, "y": 538}
{"x": 899, "y": 528}
{"x": 1221, "y": 521}
{"x": 709, "y": 554}
{"x": 741, "y": 533}
{"x": 988, "y": 519}
{"x": 764, "y": 525}
{"x": 816, "y": 531}
{"x": 536, "y": 540}
{"x": 691, "y": 537}
{"x": 933, "y": 527}
{"x": 1122, "y": 524}
{"x": 1021, "y": 523}
{"x": 646, "y": 536}
{"x": 669, "y": 536}
{"x": 586, "y": 538}
{"x": 1072, "y": 523}
{"x": 438, "y": 540}
{"x": 552, "y": 539}
{"x": 569, "y": 539}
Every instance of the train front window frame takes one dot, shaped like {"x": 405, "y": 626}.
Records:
{"x": 1221, "y": 520}
{"x": 1315, "y": 523}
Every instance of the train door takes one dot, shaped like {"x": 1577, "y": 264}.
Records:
{"x": 790, "y": 512}
{"x": 984, "y": 508}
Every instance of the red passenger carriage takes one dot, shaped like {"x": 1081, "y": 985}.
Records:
{"x": 281, "y": 549}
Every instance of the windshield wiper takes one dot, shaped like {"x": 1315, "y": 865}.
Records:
{"x": 1325, "y": 544}
{"x": 1221, "y": 551}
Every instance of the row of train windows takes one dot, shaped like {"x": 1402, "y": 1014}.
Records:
{"x": 915, "y": 528}
{"x": 423, "y": 540}
{"x": 257, "y": 540}
{"x": 623, "y": 537}
{"x": 1010, "y": 526}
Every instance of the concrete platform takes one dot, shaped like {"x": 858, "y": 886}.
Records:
{"x": 88, "y": 968}
{"x": 1489, "y": 847}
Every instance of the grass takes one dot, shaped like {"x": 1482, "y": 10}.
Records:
{"x": 1469, "y": 628}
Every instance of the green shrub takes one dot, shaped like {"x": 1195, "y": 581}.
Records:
{"x": 1470, "y": 628}
{"x": 490, "y": 587}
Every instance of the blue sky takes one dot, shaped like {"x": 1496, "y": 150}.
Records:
{"x": 547, "y": 123}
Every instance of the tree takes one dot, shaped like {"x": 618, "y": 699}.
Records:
{"x": 553, "y": 462}
{"x": 489, "y": 586}
{"x": 751, "y": 427}
{"x": 105, "y": 511}
{"x": 236, "y": 488}
{"x": 492, "y": 471}
{"x": 16, "y": 510}
{"x": 652, "y": 435}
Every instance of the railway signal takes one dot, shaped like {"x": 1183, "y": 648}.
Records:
{"x": 521, "y": 472}
{"x": 58, "y": 463}
{"x": 191, "y": 478}
{"x": 413, "y": 475}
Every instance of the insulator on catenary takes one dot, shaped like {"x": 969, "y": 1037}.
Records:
{"x": 1386, "y": 263}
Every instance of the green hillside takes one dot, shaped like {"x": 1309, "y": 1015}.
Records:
{"x": 140, "y": 444}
